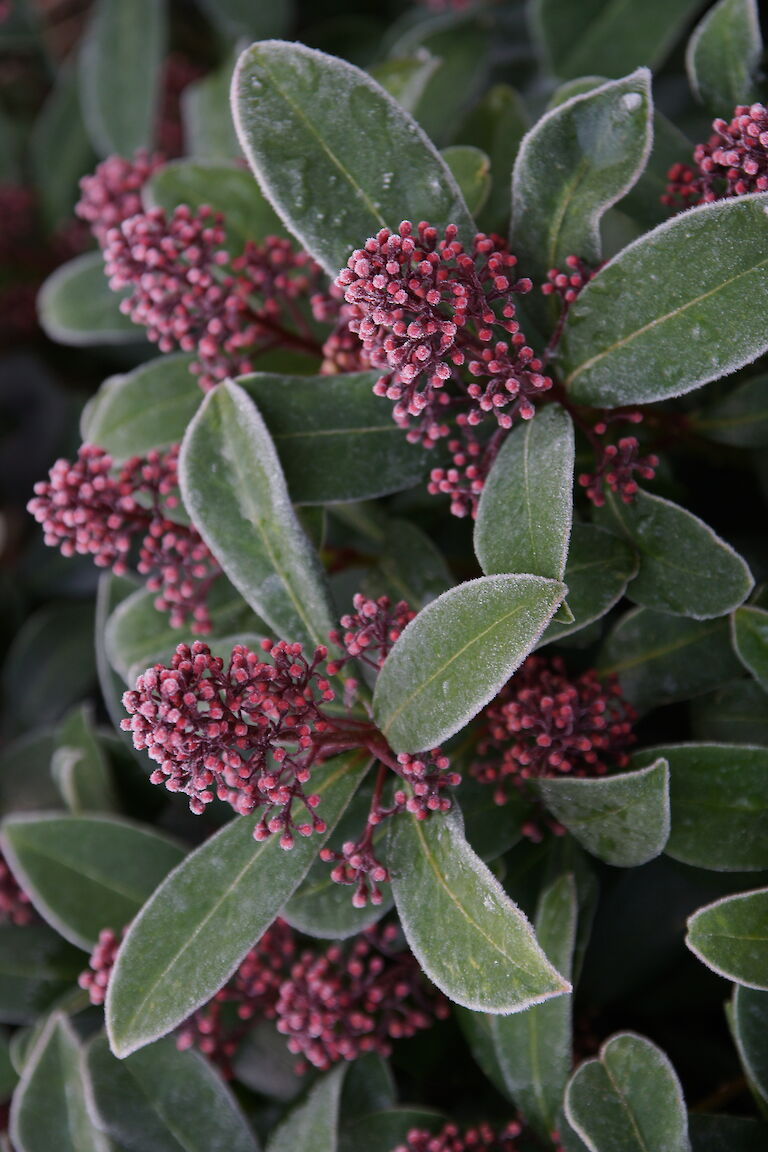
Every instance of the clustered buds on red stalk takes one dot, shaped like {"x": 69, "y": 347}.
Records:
{"x": 545, "y": 723}
{"x": 482, "y": 1138}
{"x": 97, "y": 975}
{"x": 618, "y": 464}
{"x": 369, "y": 631}
{"x": 567, "y": 285}
{"x": 90, "y": 508}
{"x": 733, "y": 162}
{"x": 112, "y": 193}
{"x": 15, "y": 906}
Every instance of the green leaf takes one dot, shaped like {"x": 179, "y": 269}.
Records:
{"x": 643, "y": 202}
{"x": 145, "y": 409}
{"x": 697, "y": 282}
{"x": 444, "y": 892}
{"x": 121, "y": 60}
{"x": 314, "y": 1122}
{"x": 76, "y": 306}
{"x": 685, "y": 568}
{"x": 60, "y": 151}
{"x": 526, "y": 506}
{"x": 406, "y": 77}
{"x": 166, "y": 1100}
{"x": 235, "y": 492}
{"x": 112, "y": 590}
{"x": 660, "y": 658}
{"x": 87, "y": 873}
{"x": 79, "y": 766}
{"x": 236, "y": 18}
{"x": 749, "y": 1024}
{"x": 576, "y": 162}
{"x": 628, "y": 1100}
{"x": 750, "y": 639}
{"x": 336, "y": 440}
{"x": 457, "y": 653}
{"x": 199, "y": 924}
{"x": 471, "y": 170}
{"x": 264, "y": 1064}
{"x": 50, "y": 664}
{"x": 534, "y": 1047}
{"x": 368, "y": 1087}
{"x": 624, "y": 820}
{"x": 608, "y": 37}
{"x": 49, "y": 1107}
{"x": 306, "y": 120}
{"x": 226, "y": 188}
{"x": 730, "y": 936}
{"x": 739, "y": 418}
{"x": 719, "y": 800}
{"x": 735, "y": 714}
{"x": 26, "y": 784}
{"x": 410, "y": 568}
{"x": 598, "y": 568}
{"x": 497, "y": 124}
{"x": 383, "y": 1131}
{"x": 723, "y": 56}
{"x": 207, "y": 117}
{"x": 36, "y": 967}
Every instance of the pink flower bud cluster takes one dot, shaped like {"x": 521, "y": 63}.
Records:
{"x": 97, "y": 975}
{"x": 428, "y": 775}
{"x": 733, "y": 162}
{"x": 544, "y": 723}
{"x": 465, "y": 479}
{"x": 247, "y": 734}
{"x": 355, "y": 998}
{"x": 482, "y": 1138}
{"x": 428, "y": 314}
{"x": 112, "y": 193}
{"x": 15, "y": 906}
{"x": 567, "y": 285}
{"x": 190, "y": 294}
{"x": 87, "y": 507}
{"x": 370, "y": 631}
{"x": 617, "y": 465}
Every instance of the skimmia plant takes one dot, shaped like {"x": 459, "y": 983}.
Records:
{"x": 434, "y": 414}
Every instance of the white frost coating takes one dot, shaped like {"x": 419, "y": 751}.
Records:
{"x": 692, "y": 922}
{"x": 733, "y": 11}
{"x": 61, "y": 281}
{"x": 631, "y": 101}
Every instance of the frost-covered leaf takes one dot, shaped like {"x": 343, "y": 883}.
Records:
{"x": 471, "y": 170}
{"x": 628, "y": 1100}
{"x": 692, "y": 313}
{"x": 85, "y": 873}
{"x": 730, "y": 936}
{"x": 444, "y": 892}
{"x": 314, "y": 1122}
{"x": 50, "y": 664}
{"x": 199, "y": 924}
{"x": 624, "y": 820}
{"x": 526, "y": 507}
{"x": 749, "y": 1023}
{"x": 685, "y": 568}
{"x": 750, "y": 639}
{"x": 723, "y": 55}
{"x": 234, "y": 490}
{"x": 337, "y": 157}
{"x": 76, "y": 306}
{"x": 454, "y": 657}
{"x": 120, "y": 74}
{"x": 740, "y": 417}
{"x": 719, "y": 801}
{"x": 36, "y": 968}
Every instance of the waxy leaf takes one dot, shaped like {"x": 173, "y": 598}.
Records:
{"x": 80, "y": 767}
{"x": 76, "y": 306}
{"x": 85, "y": 873}
{"x": 444, "y": 893}
{"x": 628, "y": 1100}
{"x": 526, "y": 506}
{"x": 735, "y": 714}
{"x": 685, "y": 568}
{"x": 458, "y": 652}
{"x": 164, "y": 1099}
{"x": 235, "y": 492}
{"x": 238, "y": 18}
{"x": 471, "y": 170}
{"x": 120, "y": 74}
{"x": 533, "y": 1048}
{"x": 719, "y": 801}
{"x": 731, "y": 937}
{"x": 576, "y": 162}
{"x": 675, "y": 309}
{"x": 624, "y": 820}
{"x": 723, "y": 55}
{"x": 49, "y": 1107}
{"x": 307, "y": 124}
{"x": 748, "y": 1019}
{"x": 750, "y": 639}
{"x": 385, "y": 1130}
{"x": 314, "y": 1122}
{"x": 411, "y": 568}
{"x": 740, "y": 418}
{"x": 660, "y": 658}
{"x": 36, "y": 967}
{"x": 336, "y": 440}
{"x": 190, "y": 937}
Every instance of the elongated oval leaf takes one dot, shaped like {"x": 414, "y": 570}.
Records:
{"x": 85, "y": 873}
{"x": 749, "y": 1023}
{"x": 306, "y": 121}
{"x": 624, "y": 820}
{"x": 719, "y": 802}
{"x": 120, "y": 74}
{"x": 576, "y": 162}
{"x": 628, "y": 1100}
{"x": 164, "y": 1099}
{"x": 731, "y": 937}
{"x": 385, "y": 1130}
{"x": 235, "y": 492}
{"x": 684, "y": 567}
{"x": 80, "y": 767}
{"x": 207, "y": 117}
{"x": 76, "y": 306}
{"x": 36, "y": 968}
{"x": 526, "y": 507}
{"x": 750, "y": 639}
{"x": 468, "y": 936}
{"x": 194, "y": 931}
{"x": 471, "y": 170}
{"x": 313, "y": 1123}
{"x": 723, "y": 55}
{"x": 457, "y": 653}
{"x": 739, "y": 418}
{"x": 406, "y": 77}
{"x": 692, "y": 313}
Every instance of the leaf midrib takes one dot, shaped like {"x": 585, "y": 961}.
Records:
{"x": 653, "y": 653}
